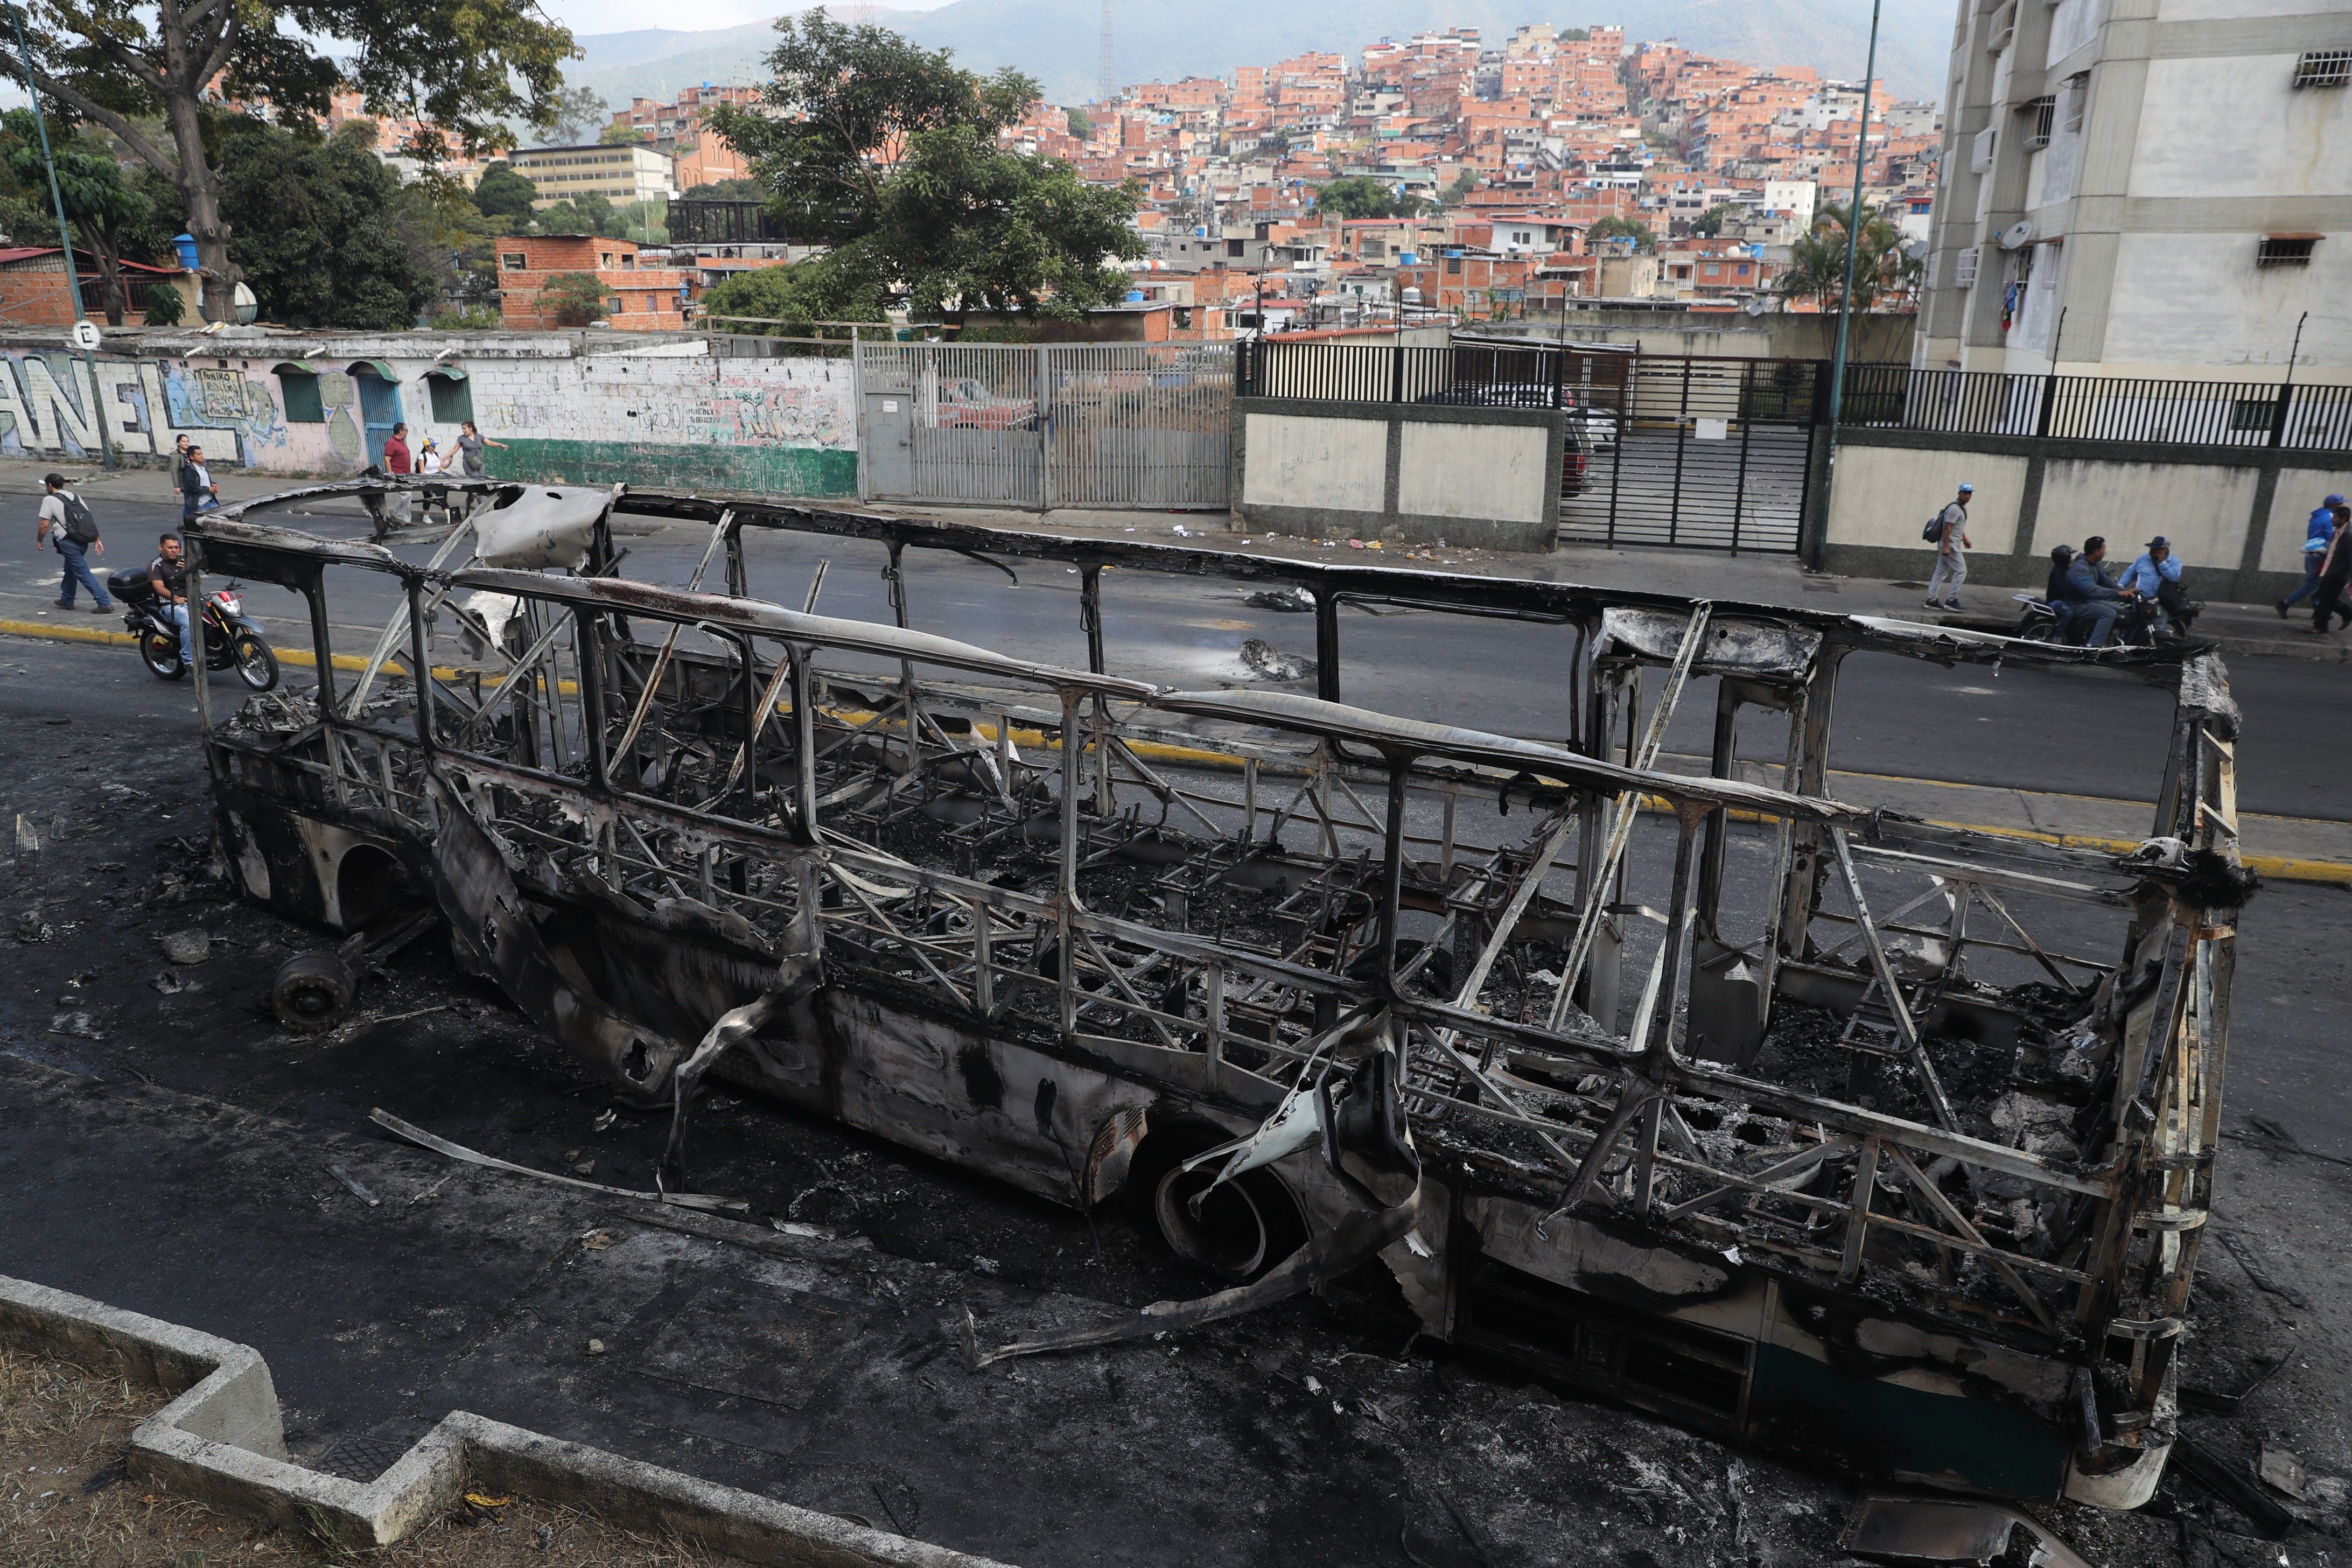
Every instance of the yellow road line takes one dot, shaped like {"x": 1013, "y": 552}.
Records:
{"x": 2278, "y": 867}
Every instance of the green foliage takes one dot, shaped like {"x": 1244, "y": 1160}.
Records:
{"x": 456, "y": 242}
{"x": 788, "y": 301}
{"x": 1361, "y": 196}
{"x": 625, "y": 136}
{"x": 587, "y": 213}
{"x": 153, "y": 74}
{"x": 862, "y": 97}
{"x": 317, "y": 228}
{"x": 646, "y": 221}
{"x": 892, "y": 159}
{"x": 1605, "y": 229}
{"x": 729, "y": 191}
{"x": 504, "y": 193}
{"x": 574, "y": 298}
{"x": 1817, "y": 261}
{"x": 465, "y": 318}
{"x": 1709, "y": 224}
{"x": 1459, "y": 190}
{"x": 102, "y": 202}
{"x": 996, "y": 333}
{"x": 1081, "y": 125}
{"x": 163, "y": 304}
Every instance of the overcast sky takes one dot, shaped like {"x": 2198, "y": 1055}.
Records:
{"x": 691, "y": 15}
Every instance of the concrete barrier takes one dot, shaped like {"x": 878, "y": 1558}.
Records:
{"x": 222, "y": 1442}
{"x": 1407, "y": 473}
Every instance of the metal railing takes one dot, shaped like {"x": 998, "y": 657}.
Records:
{"x": 2100, "y": 408}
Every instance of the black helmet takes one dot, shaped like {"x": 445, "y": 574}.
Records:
{"x": 2063, "y": 554}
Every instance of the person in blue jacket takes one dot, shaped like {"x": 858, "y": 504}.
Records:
{"x": 2155, "y": 576}
{"x": 2316, "y": 534}
{"x": 2094, "y": 598}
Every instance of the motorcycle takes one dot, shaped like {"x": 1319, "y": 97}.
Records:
{"x": 228, "y": 642}
{"x": 2137, "y": 623}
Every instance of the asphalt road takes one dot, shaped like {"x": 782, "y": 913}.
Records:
{"x": 2070, "y": 731}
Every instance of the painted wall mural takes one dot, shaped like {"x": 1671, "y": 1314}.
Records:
{"x": 777, "y": 426}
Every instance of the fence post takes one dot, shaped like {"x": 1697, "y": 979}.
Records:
{"x": 1045, "y": 434}
{"x": 2049, "y": 403}
{"x": 2278, "y": 418}
{"x": 1396, "y": 382}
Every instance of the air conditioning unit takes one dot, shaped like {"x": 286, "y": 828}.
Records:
{"x": 1964, "y": 274}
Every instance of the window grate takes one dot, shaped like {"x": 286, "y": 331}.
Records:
{"x": 2284, "y": 251}
{"x": 2078, "y": 101}
{"x": 1964, "y": 272}
{"x": 2045, "y": 112}
{"x": 2324, "y": 67}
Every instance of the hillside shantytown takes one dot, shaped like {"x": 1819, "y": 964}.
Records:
{"x": 865, "y": 814}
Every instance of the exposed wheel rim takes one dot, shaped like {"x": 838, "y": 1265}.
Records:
{"x": 1227, "y": 1237}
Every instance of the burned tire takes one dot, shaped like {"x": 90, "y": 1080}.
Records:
{"x": 313, "y": 991}
{"x": 160, "y": 654}
{"x": 254, "y": 663}
{"x": 1243, "y": 1228}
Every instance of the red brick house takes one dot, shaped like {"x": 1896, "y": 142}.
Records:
{"x": 637, "y": 299}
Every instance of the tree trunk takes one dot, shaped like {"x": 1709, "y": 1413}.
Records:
{"x": 111, "y": 295}
{"x": 184, "y": 78}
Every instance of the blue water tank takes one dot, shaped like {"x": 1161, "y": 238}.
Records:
{"x": 185, "y": 244}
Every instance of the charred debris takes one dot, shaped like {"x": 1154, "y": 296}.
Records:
{"x": 1805, "y": 1124}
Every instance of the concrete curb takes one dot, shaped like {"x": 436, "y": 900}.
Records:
{"x": 223, "y": 1441}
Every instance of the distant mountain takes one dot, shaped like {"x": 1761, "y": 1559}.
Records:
{"x": 1056, "y": 40}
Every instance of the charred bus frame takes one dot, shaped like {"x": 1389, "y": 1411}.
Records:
{"x": 1041, "y": 922}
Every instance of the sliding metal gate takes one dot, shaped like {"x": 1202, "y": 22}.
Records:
{"x": 1707, "y": 454}
{"x": 1112, "y": 426}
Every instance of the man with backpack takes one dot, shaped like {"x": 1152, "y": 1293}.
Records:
{"x": 1948, "y": 530}
{"x": 67, "y": 522}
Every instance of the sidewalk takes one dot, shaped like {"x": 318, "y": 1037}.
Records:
{"x": 2242, "y": 630}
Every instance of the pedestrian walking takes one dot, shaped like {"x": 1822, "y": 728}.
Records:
{"x": 67, "y": 522}
{"x": 179, "y": 458}
{"x": 400, "y": 466}
{"x": 431, "y": 464}
{"x": 1951, "y": 528}
{"x": 2335, "y": 575}
{"x": 470, "y": 442}
{"x": 2317, "y": 531}
{"x": 197, "y": 490}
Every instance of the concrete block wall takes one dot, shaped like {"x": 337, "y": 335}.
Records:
{"x": 1485, "y": 478}
{"x": 2235, "y": 516}
{"x": 578, "y": 407}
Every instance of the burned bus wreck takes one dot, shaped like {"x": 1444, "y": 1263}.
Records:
{"x": 1801, "y": 1122}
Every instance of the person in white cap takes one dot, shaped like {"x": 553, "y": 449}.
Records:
{"x": 1951, "y": 558}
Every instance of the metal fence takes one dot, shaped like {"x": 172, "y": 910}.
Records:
{"x": 1706, "y": 453}
{"x": 2100, "y": 408}
{"x": 1114, "y": 426}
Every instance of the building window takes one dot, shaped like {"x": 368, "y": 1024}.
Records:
{"x": 300, "y": 389}
{"x": 1964, "y": 272}
{"x": 453, "y": 399}
{"x": 2286, "y": 251}
{"x": 2324, "y": 67}
{"x": 2045, "y": 112}
{"x": 514, "y": 261}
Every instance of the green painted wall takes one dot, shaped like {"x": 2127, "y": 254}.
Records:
{"x": 816, "y": 473}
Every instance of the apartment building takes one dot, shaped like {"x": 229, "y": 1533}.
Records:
{"x": 637, "y": 298}
{"x": 2145, "y": 187}
{"x": 621, "y": 174}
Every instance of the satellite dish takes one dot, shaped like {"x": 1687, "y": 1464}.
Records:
{"x": 1758, "y": 306}
{"x": 1914, "y": 249}
{"x": 2017, "y": 234}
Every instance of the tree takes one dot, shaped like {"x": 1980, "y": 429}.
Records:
{"x": 625, "y": 136}
{"x": 1608, "y": 228}
{"x": 1816, "y": 269}
{"x": 506, "y": 194}
{"x": 152, "y": 73}
{"x": 100, "y": 202}
{"x": 729, "y": 191}
{"x": 162, "y": 304}
{"x": 1081, "y": 125}
{"x": 1361, "y": 196}
{"x": 316, "y": 226}
{"x": 576, "y": 113}
{"x": 574, "y": 299}
{"x": 1459, "y": 190}
{"x": 888, "y": 154}
{"x": 587, "y": 213}
{"x": 789, "y": 302}
{"x": 1709, "y": 224}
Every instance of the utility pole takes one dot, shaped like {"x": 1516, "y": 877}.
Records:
{"x": 1852, "y": 254}
{"x": 1107, "y": 68}
{"x": 65, "y": 238}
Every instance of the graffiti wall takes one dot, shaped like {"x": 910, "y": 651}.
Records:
{"x": 670, "y": 415}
